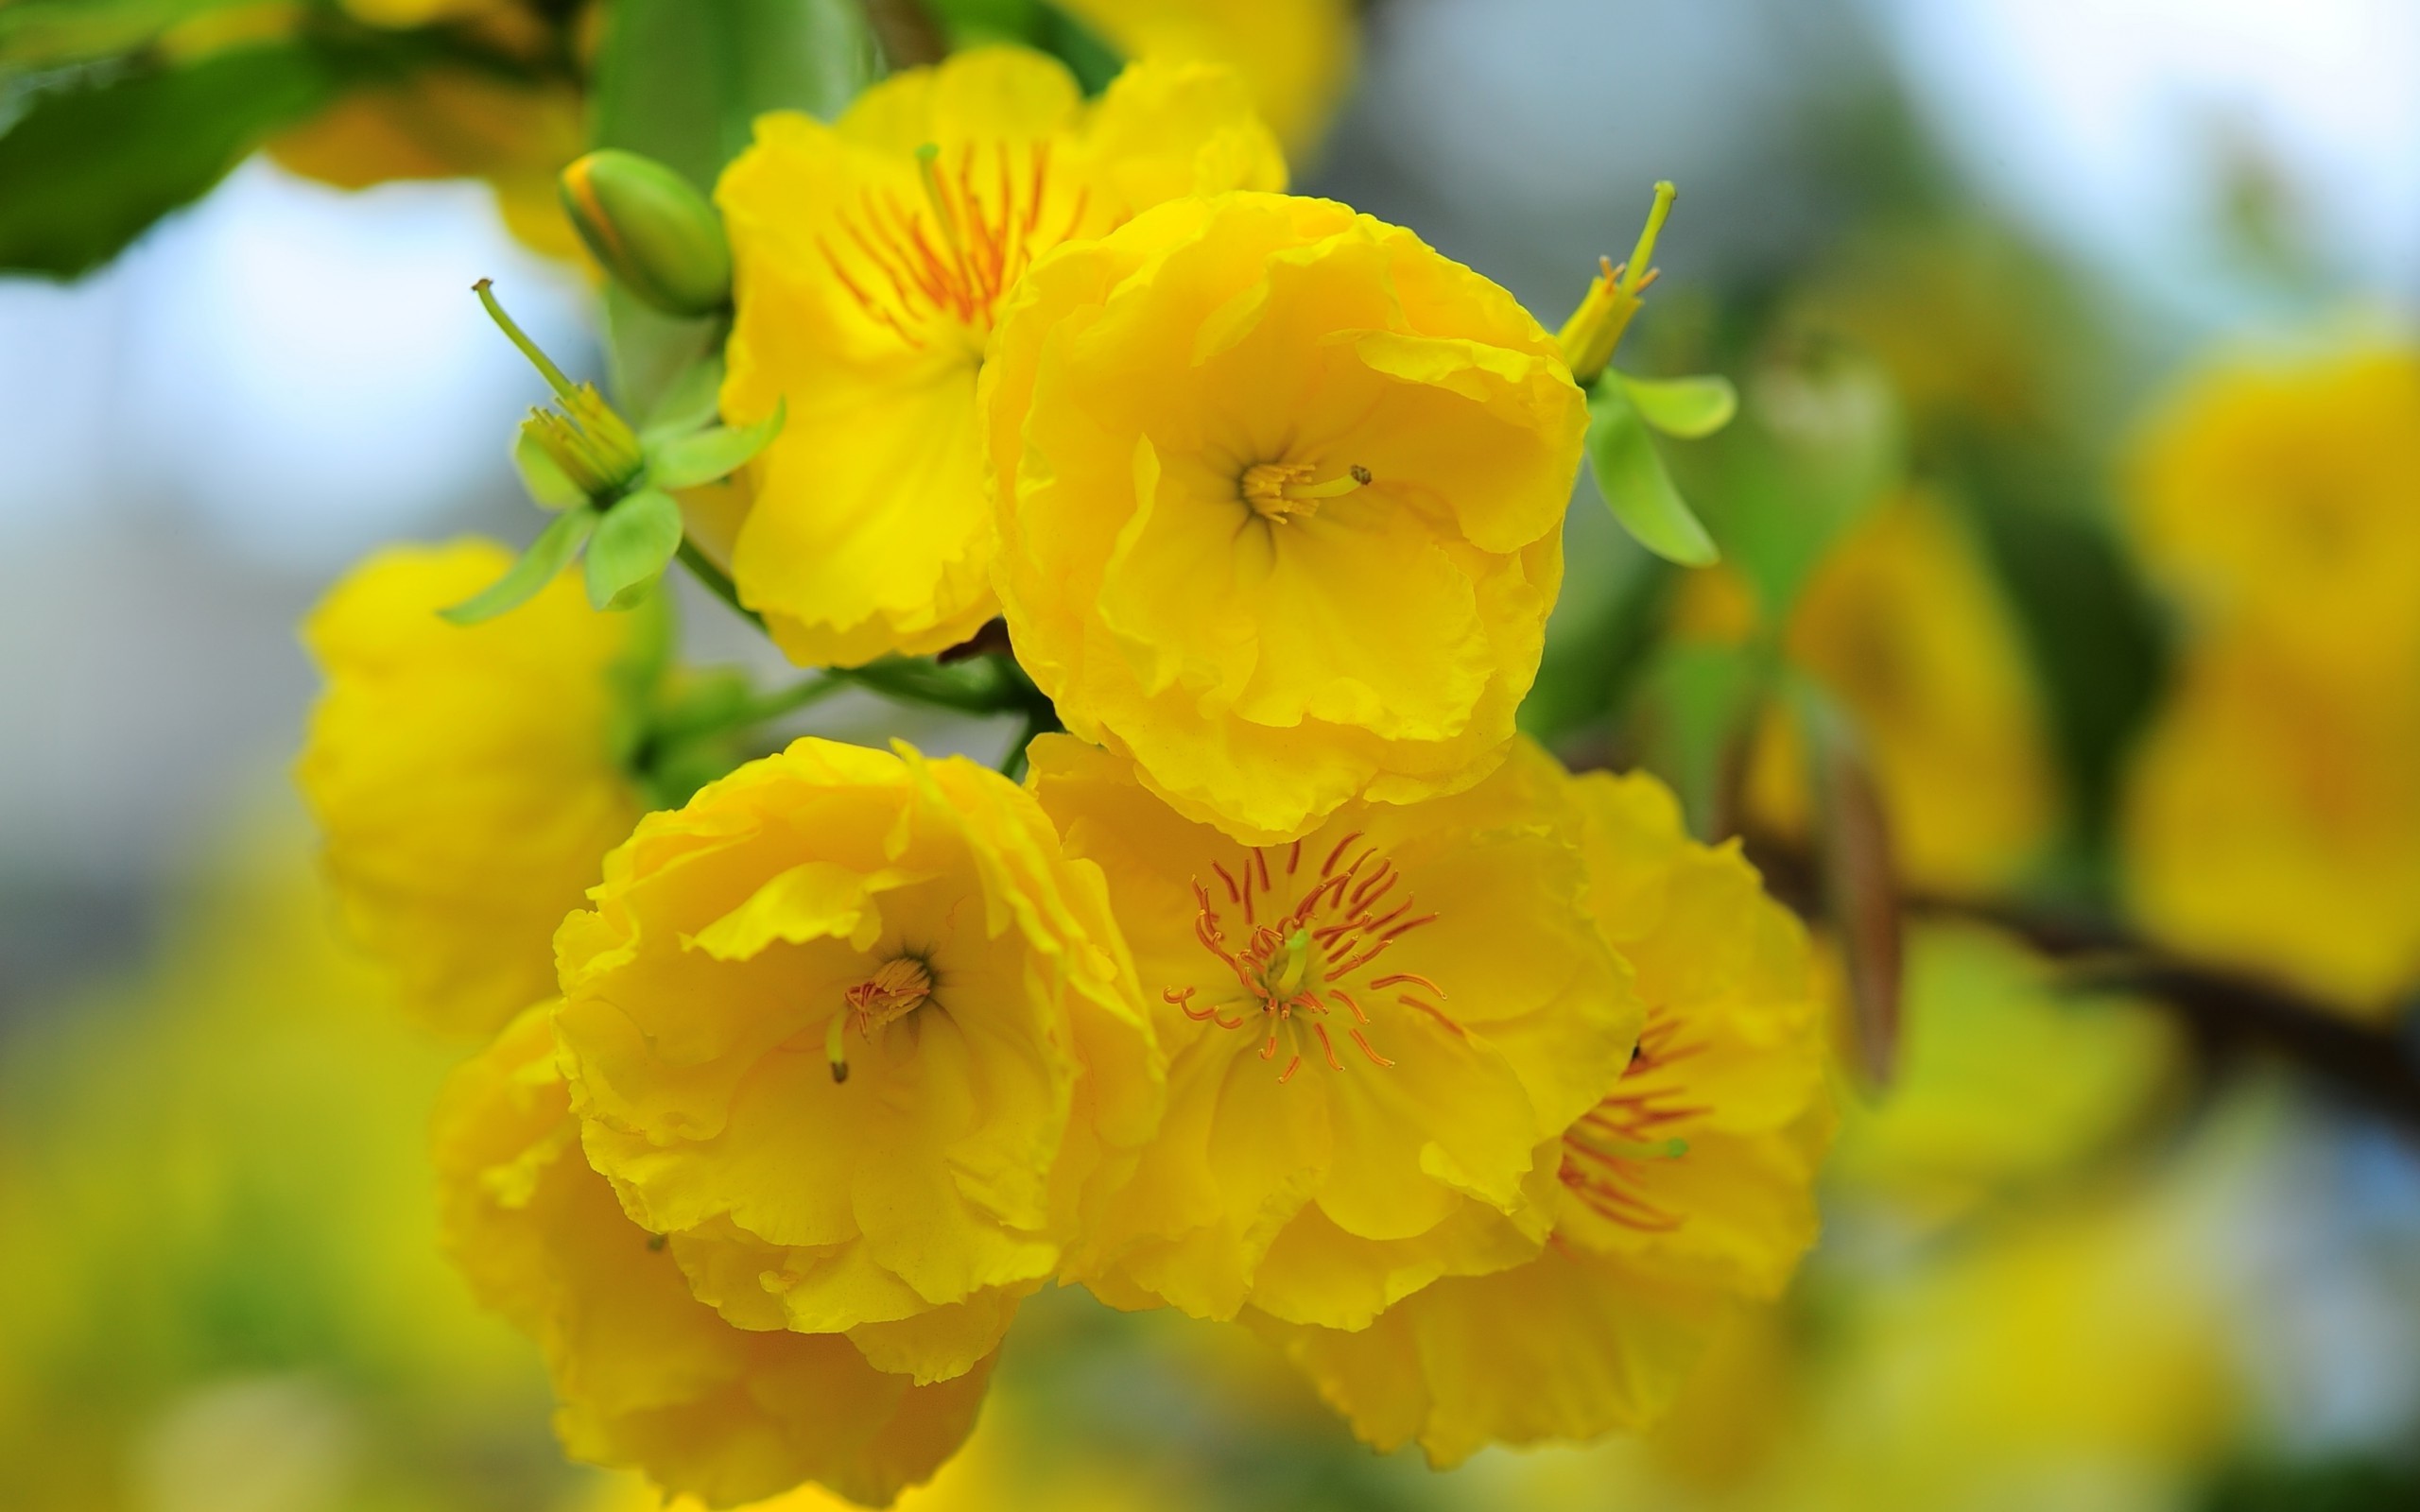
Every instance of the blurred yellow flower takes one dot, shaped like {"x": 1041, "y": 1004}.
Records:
{"x": 871, "y": 258}
{"x": 2272, "y": 819}
{"x": 1685, "y": 1191}
{"x": 1902, "y": 625}
{"x": 215, "y": 1184}
{"x": 465, "y": 779}
{"x": 852, "y": 1030}
{"x": 648, "y": 1377}
{"x": 2277, "y": 498}
{"x": 474, "y": 119}
{"x": 1376, "y": 1034}
{"x": 1296, "y": 54}
{"x": 1280, "y": 499}
{"x": 2007, "y": 1079}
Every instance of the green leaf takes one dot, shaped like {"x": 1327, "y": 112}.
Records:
{"x": 89, "y": 168}
{"x": 1690, "y": 409}
{"x": 691, "y": 400}
{"x": 1035, "y": 24}
{"x": 555, "y": 546}
{"x": 685, "y": 461}
{"x": 631, "y": 549}
{"x": 682, "y": 81}
{"x": 1631, "y": 478}
{"x": 547, "y": 483}
{"x": 47, "y": 33}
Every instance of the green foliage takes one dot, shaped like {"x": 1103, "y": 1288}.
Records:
{"x": 51, "y": 33}
{"x": 2327, "y": 1485}
{"x": 1632, "y": 480}
{"x": 631, "y": 548}
{"x": 1691, "y": 408}
{"x": 549, "y": 553}
{"x": 1035, "y": 24}
{"x": 90, "y": 166}
{"x": 2095, "y": 638}
{"x": 682, "y": 81}
{"x": 684, "y": 461}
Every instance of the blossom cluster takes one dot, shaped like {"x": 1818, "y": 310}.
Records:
{"x": 1291, "y": 987}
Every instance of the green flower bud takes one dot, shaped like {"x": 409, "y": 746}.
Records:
{"x": 652, "y": 231}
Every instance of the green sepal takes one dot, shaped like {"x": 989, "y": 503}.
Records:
{"x": 1690, "y": 409}
{"x": 632, "y": 547}
{"x": 555, "y": 546}
{"x": 547, "y": 483}
{"x": 1631, "y": 478}
{"x": 687, "y": 460}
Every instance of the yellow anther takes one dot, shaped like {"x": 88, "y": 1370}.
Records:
{"x": 898, "y": 988}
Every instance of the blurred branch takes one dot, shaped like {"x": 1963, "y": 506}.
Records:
{"x": 2232, "y": 1015}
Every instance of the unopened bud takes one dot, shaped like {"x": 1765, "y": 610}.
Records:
{"x": 651, "y": 230}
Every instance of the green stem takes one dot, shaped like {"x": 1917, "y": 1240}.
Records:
{"x": 790, "y": 700}
{"x": 718, "y": 581}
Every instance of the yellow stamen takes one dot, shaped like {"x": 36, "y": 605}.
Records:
{"x": 1596, "y": 328}
{"x": 928, "y": 169}
{"x": 898, "y": 988}
{"x": 1279, "y": 491}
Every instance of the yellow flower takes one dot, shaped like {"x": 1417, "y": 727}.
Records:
{"x": 855, "y": 1032}
{"x": 648, "y": 1377}
{"x": 2272, "y": 819}
{"x": 464, "y": 778}
{"x": 1375, "y": 1033}
{"x": 1280, "y": 499}
{"x": 871, "y": 257}
{"x": 1296, "y": 54}
{"x": 455, "y": 122}
{"x": 1902, "y": 625}
{"x": 1685, "y": 1191}
{"x": 2278, "y": 499}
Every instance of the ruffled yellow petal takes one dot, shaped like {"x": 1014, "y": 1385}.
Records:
{"x": 648, "y": 1377}
{"x": 1685, "y": 1191}
{"x": 1448, "y": 1006}
{"x": 919, "y": 922}
{"x": 1281, "y": 494}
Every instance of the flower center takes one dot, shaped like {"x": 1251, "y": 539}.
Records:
{"x": 1310, "y": 957}
{"x": 898, "y": 988}
{"x": 1278, "y": 492}
{"x": 1603, "y": 1151}
{"x": 947, "y": 257}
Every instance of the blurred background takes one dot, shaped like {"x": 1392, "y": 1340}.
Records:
{"x": 2001, "y": 281}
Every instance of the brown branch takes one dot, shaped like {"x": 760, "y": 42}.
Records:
{"x": 2233, "y": 1015}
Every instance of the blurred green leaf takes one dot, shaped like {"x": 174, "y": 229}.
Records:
{"x": 88, "y": 168}
{"x": 691, "y": 400}
{"x": 555, "y": 546}
{"x": 547, "y": 483}
{"x": 47, "y": 33}
{"x": 687, "y": 460}
{"x": 631, "y": 548}
{"x": 1694, "y": 704}
{"x": 1632, "y": 480}
{"x": 1691, "y": 408}
{"x": 2095, "y": 634}
{"x": 682, "y": 81}
{"x": 1596, "y": 643}
{"x": 1822, "y": 442}
{"x": 1036, "y": 23}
